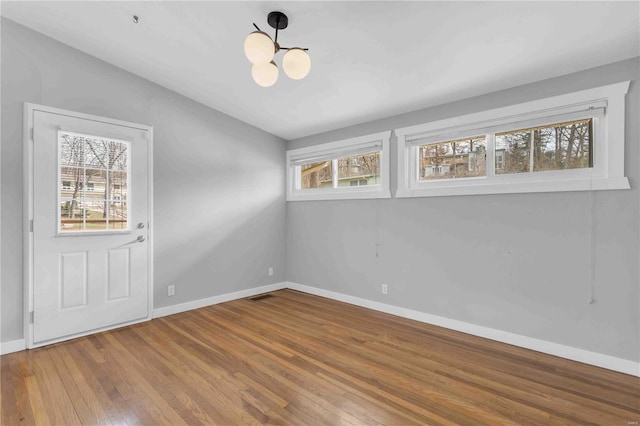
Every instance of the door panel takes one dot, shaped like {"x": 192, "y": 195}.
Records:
{"x": 118, "y": 274}
{"x": 90, "y": 264}
{"x": 73, "y": 280}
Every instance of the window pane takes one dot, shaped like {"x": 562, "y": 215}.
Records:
{"x": 460, "y": 158}
{"x": 359, "y": 170}
{"x": 71, "y": 216}
{"x": 71, "y": 150}
{"x": 96, "y": 211}
{"x": 555, "y": 147}
{"x": 563, "y": 146}
{"x": 117, "y": 155}
{"x": 512, "y": 152}
{"x": 118, "y": 185}
{"x": 317, "y": 175}
{"x": 117, "y": 214}
{"x": 96, "y": 152}
{"x": 71, "y": 181}
{"x": 95, "y": 181}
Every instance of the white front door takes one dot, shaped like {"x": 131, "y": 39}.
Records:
{"x": 90, "y": 231}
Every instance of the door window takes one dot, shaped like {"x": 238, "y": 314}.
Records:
{"x": 93, "y": 188}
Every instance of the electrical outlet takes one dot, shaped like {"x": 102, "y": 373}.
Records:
{"x": 270, "y": 271}
{"x": 171, "y": 290}
{"x": 385, "y": 288}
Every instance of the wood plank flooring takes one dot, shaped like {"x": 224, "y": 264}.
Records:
{"x": 299, "y": 359}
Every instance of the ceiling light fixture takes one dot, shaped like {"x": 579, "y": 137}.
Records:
{"x": 260, "y": 49}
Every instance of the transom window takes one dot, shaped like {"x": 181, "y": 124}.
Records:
{"x": 362, "y": 169}
{"x": 93, "y": 183}
{"x": 353, "y": 168}
{"x": 566, "y": 143}
{"x": 559, "y": 146}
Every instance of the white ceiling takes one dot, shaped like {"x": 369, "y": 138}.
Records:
{"x": 369, "y": 59}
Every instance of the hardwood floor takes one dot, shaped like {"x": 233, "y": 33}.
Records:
{"x": 299, "y": 359}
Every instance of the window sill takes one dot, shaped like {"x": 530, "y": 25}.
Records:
{"x": 353, "y": 195}
{"x": 442, "y": 189}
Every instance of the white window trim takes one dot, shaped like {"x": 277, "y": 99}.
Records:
{"x": 607, "y": 173}
{"x": 337, "y": 149}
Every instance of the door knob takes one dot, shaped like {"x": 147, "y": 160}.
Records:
{"x": 140, "y": 238}
{"x": 141, "y": 225}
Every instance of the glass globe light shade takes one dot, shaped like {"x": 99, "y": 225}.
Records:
{"x": 296, "y": 63}
{"x": 265, "y": 74}
{"x": 259, "y": 48}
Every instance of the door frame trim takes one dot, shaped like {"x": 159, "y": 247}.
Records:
{"x": 27, "y": 201}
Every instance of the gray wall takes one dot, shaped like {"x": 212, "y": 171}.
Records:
{"x": 518, "y": 262}
{"x": 218, "y": 183}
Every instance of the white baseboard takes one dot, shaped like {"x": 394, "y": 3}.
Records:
{"x": 581, "y": 355}
{"x": 19, "y": 345}
{"x": 12, "y": 346}
{"x": 576, "y": 354}
{"x": 201, "y": 303}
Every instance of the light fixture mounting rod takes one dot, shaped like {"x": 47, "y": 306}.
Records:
{"x": 281, "y": 22}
